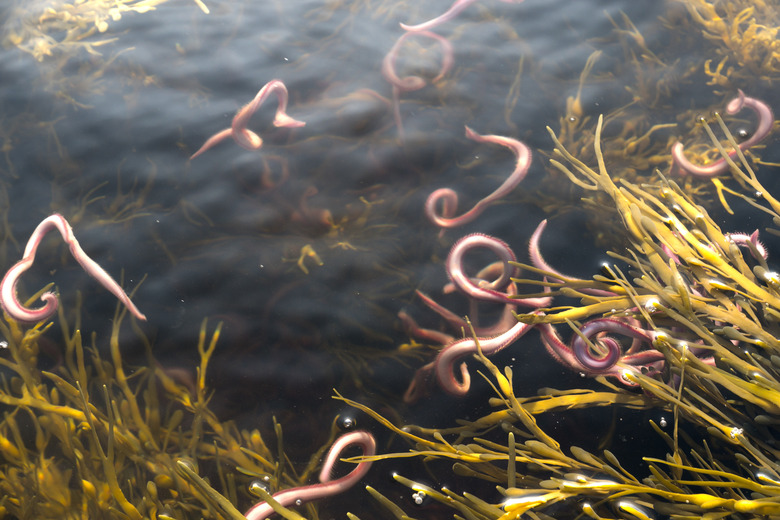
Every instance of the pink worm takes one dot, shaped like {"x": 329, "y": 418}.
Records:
{"x": 507, "y": 318}
{"x": 742, "y": 239}
{"x": 644, "y": 360}
{"x": 419, "y": 387}
{"x": 590, "y": 329}
{"x": 238, "y": 129}
{"x": 451, "y": 13}
{"x": 486, "y": 291}
{"x": 539, "y": 262}
{"x": 766, "y": 120}
{"x": 8, "y": 298}
{"x": 444, "y": 363}
{"x": 411, "y": 83}
{"x": 457, "y": 322}
{"x": 326, "y": 487}
{"x": 413, "y": 329}
{"x": 449, "y": 197}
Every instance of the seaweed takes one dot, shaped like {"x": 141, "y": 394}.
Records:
{"x": 712, "y": 305}
{"x": 86, "y": 437}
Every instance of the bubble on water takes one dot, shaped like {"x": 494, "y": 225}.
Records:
{"x": 259, "y": 484}
{"x": 347, "y": 421}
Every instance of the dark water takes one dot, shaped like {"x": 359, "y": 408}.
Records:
{"x": 105, "y": 140}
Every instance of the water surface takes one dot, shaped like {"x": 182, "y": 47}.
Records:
{"x": 105, "y": 139}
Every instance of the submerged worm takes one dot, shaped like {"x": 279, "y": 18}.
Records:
{"x": 448, "y": 15}
{"x": 449, "y": 198}
{"x": 646, "y": 361}
{"x": 411, "y": 83}
{"x": 10, "y": 302}
{"x": 444, "y": 364}
{"x": 326, "y": 487}
{"x": 766, "y": 120}
{"x": 539, "y": 262}
{"x": 487, "y": 291}
{"x": 581, "y": 349}
{"x": 240, "y": 133}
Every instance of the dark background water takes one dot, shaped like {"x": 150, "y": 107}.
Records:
{"x": 105, "y": 140}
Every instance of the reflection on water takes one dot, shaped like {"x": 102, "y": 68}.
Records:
{"x": 307, "y": 248}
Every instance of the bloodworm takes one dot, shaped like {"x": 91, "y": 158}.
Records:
{"x": 451, "y": 13}
{"x": 557, "y": 349}
{"x": 539, "y": 262}
{"x": 454, "y": 321}
{"x": 457, "y": 322}
{"x": 8, "y": 298}
{"x": 604, "y": 363}
{"x": 240, "y": 133}
{"x": 413, "y": 329}
{"x": 326, "y": 487}
{"x": 486, "y": 292}
{"x": 420, "y": 387}
{"x": 745, "y": 240}
{"x": 411, "y": 83}
{"x": 645, "y": 360}
{"x": 449, "y": 197}
{"x": 766, "y": 120}
{"x": 444, "y": 363}
{"x": 507, "y": 318}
